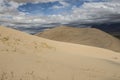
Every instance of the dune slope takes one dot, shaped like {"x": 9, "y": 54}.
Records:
{"x": 27, "y": 57}
{"x": 86, "y": 36}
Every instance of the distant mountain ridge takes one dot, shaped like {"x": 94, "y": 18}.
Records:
{"x": 85, "y": 36}
{"x": 110, "y": 28}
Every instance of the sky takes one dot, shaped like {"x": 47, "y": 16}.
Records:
{"x": 31, "y": 15}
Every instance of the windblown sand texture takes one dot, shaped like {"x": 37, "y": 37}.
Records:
{"x": 85, "y": 36}
{"x": 28, "y": 57}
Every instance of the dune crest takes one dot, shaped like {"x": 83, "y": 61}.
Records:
{"x": 28, "y": 57}
{"x": 85, "y": 36}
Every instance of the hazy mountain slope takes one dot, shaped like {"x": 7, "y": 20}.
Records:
{"x": 86, "y": 36}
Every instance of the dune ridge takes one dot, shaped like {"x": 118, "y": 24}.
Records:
{"x": 85, "y": 36}
{"x": 28, "y": 57}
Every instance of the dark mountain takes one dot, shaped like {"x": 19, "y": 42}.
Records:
{"x": 112, "y": 28}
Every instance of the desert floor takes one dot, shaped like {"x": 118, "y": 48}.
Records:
{"x": 28, "y": 57}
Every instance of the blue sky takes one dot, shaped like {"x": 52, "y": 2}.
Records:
{"x": 49, "y": 13}
{"x": 51, "y": 8}
{"x": 42, "y": 8}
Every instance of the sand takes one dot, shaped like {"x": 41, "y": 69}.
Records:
{"x": 85, "y": 36}
{"x": 28, "y": 57}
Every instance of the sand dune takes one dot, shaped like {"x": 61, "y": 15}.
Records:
{"x": 86, "y": 36}
{"x": 27, "y": 57}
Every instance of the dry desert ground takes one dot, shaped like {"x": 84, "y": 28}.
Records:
{"x": 28, "y": 57}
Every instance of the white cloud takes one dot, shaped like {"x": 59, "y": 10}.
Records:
{"x": 87, "y": 13}
{"x": 93, "y": 11}
{"x": 24, "y": 1}
{"x": 8, "y": 7}
{"x": 64, "y": 5}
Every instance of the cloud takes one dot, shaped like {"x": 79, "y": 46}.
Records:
{"x": 89, "y": 12}
{"x": 64, "y": 5}
{"x": 25, "y": 1}
{"x": 8, "y": 7}
{"x": 93, "y": 11}
{"x": 70, "y": 1}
